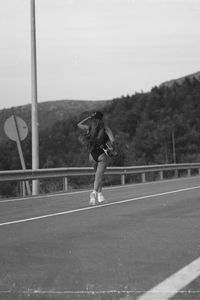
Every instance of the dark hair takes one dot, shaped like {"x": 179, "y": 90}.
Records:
{"x": 96, "y": 131}
{"x": 97, "y": 115}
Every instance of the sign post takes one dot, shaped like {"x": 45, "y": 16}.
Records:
{"x": 17, "y": 130}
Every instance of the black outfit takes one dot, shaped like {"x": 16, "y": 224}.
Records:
{"x": 97, "y": 149}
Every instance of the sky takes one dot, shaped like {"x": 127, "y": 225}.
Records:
{"x": 96, "y": 49}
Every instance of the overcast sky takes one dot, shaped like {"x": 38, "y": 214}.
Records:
{"x": 96, "y": 49}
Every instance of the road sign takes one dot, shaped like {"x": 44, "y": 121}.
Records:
{"x": 15, "y": 128}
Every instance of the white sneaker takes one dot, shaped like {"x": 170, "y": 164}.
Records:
{"x": 92, "y": 198}
{"x": 101, "y": 198}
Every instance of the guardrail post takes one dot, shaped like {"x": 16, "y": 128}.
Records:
{"x": 189, "y": 172}
{"x": 161, "y": 175}
{"x": 123, "y": 179}
{"x": 143, "y": 178}
{"x": 65, "y": 184}
{"x": 22, "y": 189}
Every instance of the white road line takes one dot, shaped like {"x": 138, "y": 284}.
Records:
{"x": 99, "y": 206}
{"x": 175, "y": 283}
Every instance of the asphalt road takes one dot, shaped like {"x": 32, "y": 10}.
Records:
{"x": 57, "y": 247}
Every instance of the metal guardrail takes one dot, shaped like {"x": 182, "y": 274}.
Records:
{"x": 29, "y": 174}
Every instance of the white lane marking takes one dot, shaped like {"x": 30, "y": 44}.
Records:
{"x": 175, "y": 283}
{"x": 98, "y": 206}
{"x": 40, "y": 197}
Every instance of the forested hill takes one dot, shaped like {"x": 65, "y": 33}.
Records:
{"x": 143, "y": 124}
{"x": 49, "y": 112}
{"x": 147, "y": 123}
{"x": 182, "y": 79}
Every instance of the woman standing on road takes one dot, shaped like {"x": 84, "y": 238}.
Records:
{"x": 100, "y": 143}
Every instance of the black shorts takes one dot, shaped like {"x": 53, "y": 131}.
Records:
{"x": 96, "y": 153}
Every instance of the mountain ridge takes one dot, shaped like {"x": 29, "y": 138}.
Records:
{"x": 180, "y": 80}
{"x": 50, "y": 112}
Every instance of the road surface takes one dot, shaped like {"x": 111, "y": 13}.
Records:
{"x": 143, "y": 244}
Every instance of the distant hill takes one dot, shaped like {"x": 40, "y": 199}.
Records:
{"x": 53, "y": 111}
{"x": 49, "y": 112}
{"x": 180, "y": 80}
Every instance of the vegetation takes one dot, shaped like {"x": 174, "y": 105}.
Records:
{"x": 144, "y": 125}
{"x": 49, "y": 112}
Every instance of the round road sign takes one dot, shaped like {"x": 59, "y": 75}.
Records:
{"x": 15, "y": 128}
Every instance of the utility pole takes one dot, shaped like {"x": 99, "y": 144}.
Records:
{"x": 34, "y": 111}
{"x": 174, "y": 152}
{"x": 174, "y": 146}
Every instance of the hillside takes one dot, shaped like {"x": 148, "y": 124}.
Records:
{"x": 149, "y": 128}
{"x": 49, "y": 112}
{"x": 180, "y": 80}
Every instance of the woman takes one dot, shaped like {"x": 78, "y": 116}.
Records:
{"x": 99, "y": 137}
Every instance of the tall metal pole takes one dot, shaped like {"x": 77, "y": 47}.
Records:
{"x": 35, "y": 143}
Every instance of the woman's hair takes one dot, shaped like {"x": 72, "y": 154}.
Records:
{"x": 95, "y": 127}
{"x": 98, "y": 115}
{"x": 95, "y": 133}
